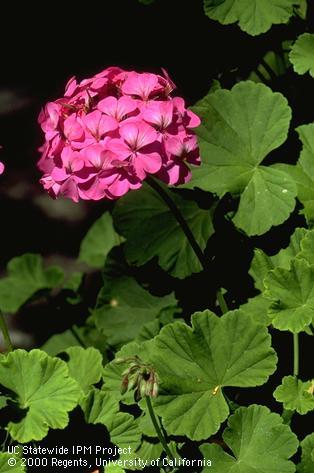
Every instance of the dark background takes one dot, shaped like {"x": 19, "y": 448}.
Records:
{"x": 43, "y": 45}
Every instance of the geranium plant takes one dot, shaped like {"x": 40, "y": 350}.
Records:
{"x": 165, "y": 375}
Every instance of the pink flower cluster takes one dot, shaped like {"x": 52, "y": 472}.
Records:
{"x": 109, "y": 132}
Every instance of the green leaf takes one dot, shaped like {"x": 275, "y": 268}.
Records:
{"x": 295, "y": 394}
{"x": 88, "y": 335}
{"x": 149, "y": 451}
{"x": 307, "y": 247}
{"x": 259, "y": 442}
{"x": 303, "y": 172}
{"x": 85, "y": 366}
{"x": 292, "y": 293}
{"x": 151, "y": 230}
{"x": 260, "y": 266}
{"x": 73, "y": 284}
{"x": 301, "y": 9}
{"x": 239, "y": 129}
{"x": 273, "y": 64}
{"x": 129, "y": 307}
{"x": 114, "y": 469}
{"x": 257, "y": 308}
{"x": 305, "y": 184}
{"x": 307, "y": 459}
{"x": 262, "y": 263}
{"x": 306, "y": 160}
{"x": 102, "y": 407}
{"x": 6, "y": 468}
{"x": 268, "y": 188}
{"x": 3, "y": 401}
{"x": 254, "y": 16}
{"x": 195, "y": 364}
{"x": 98, "y": 241}
{"x": 26, "y": 276}
{"x": 43, "y": 388}
{"x": 302, "y": 54}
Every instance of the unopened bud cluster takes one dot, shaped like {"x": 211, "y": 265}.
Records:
{"x": 139, "y": 376}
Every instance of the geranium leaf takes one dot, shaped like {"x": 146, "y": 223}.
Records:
{"x": 259, "y": 442}
{"x": 273, "y": 64}
{"x": 307, "y": 459}
{"x": 254, "y": 16}
{"x": 43, "y": 388}
{"x": 102, "y": 407}
{"x": 302, "y": 54}
{"x": 151, "y": 230}
{"x": 239, "y": 129}
{"x": 5, "y": 466}
{"x": 268, "y": 188}
{"x": 307, "y": 247}
{"x": 98, "y": 241}
{"x": 3, "y": 401}
{"x": 88, "y": 335}
{"x": 85, "y": 366}
{"x": 306, "y": 135}
{"x": 129, "y": 307}
{"x": 26, "y": 276}
{"x": 303, "y": 172}
{"x": 262, "y": 263}
{"x": 195, "y": 364}
{"x": 114, "y": 469}
{"x": 295, "y": 395}
{"x": 292, "y": 293}
{"x": 257, "y": 308}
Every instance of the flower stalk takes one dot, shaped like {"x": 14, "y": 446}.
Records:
{"x": 5, "y": 333}
{"x": 188, "y": 233}
{"x": 157, "y": 428}
{"x": 296, "y": 354}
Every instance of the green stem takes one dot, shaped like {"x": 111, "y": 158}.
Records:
{"x": 287, "y": 414}
{"x": 221, "y": 301}
{"x": 296, "y": 354}
{"x": 180, "y": 219}
{"x": 268, "y": 69}
{"x": 261, "y": 76}
{"x": 188, "y": 233}
{"x": 5, "y": 332}
{"x": 76, "y": 335}
{"x": 159, "y": 433}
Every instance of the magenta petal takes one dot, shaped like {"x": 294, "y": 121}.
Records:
{"x": 108, "y": 106}
{"x": 174, "y": 146}
{"x": 141, "y": 85}
{"x": 193, "y": 120}
{"x": 119, "y": 148}
{"x": 119, "y": 187}
{"x": 159, "y": 113}
{"x": 138, "y": 134}
{"x": 1, "y": 168}
{"x": 72, "y": 129}
{"x": 146, "y": 163}
{"x": 69, "y": 189}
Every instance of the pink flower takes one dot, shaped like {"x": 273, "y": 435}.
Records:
{"x": 138, "y": 143}
{"x": 159, "y": 113}
{"x": 109, "y": 132}
{"x": 119, "y": 109}
{"x": 1, "y": 168}
{"x": 180, "y": 150}
{"x": 141, "y": 85}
